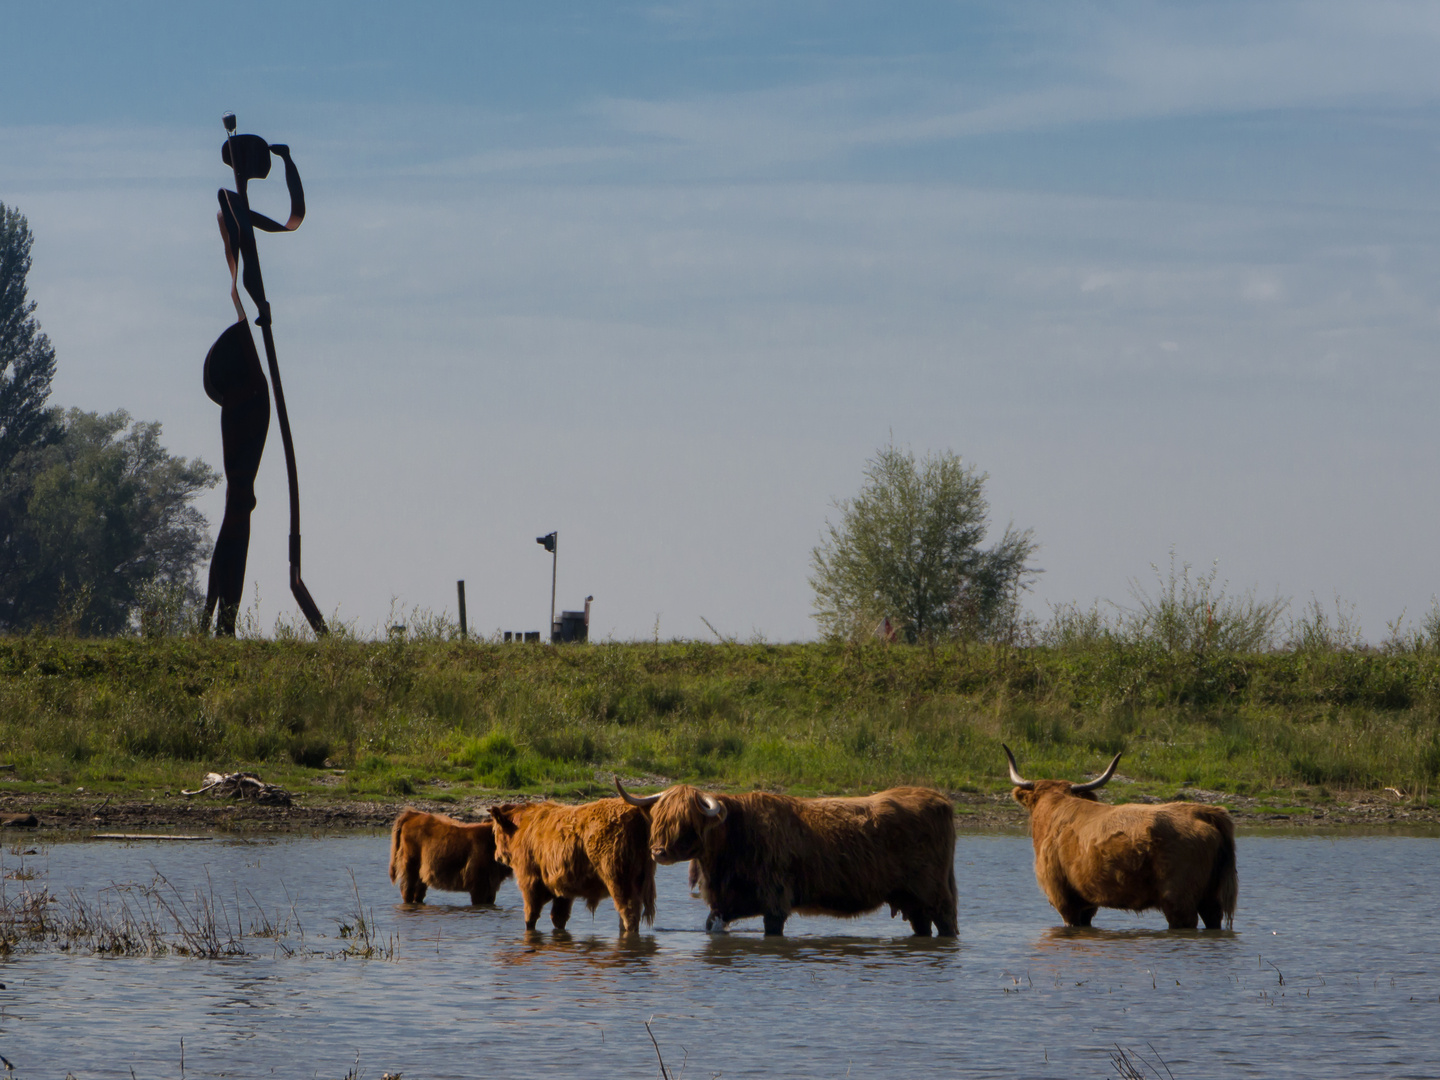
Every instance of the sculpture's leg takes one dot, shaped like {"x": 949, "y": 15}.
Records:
{"x": 297, "y": 586}
{"x": 243, "y": 429}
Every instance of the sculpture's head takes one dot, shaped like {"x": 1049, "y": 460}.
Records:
{"x": 248, "y": 155}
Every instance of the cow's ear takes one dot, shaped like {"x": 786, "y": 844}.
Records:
{"x": 504, "y": 820}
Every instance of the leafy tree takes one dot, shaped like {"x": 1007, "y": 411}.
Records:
{"x": 27, "y": 361}
{"x": 908, "y": 547}
{"x": 97, "y": 521}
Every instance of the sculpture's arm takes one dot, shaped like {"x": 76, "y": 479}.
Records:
{"x": 297, "y": 196}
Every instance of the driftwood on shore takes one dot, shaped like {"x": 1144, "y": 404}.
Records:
{"x": 242, "y": 785}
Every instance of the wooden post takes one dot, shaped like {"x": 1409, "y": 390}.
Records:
{"x": 460, "y": 589}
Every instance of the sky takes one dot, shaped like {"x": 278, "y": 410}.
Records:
{"x": 662, "y": 277}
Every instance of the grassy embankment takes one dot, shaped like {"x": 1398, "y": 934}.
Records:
{"x": 137, "y": 716}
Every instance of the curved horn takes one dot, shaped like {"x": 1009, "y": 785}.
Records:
{"x": 711, "y": 806}
{"x": 1015, "y": 777}
{"x": 1099, "y": 781}
{"x": 644, "y": 803}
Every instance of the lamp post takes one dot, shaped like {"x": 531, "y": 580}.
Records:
{"x": 550, "y": 541}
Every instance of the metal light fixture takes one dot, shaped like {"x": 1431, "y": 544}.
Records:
{"x": 550, "y": 541}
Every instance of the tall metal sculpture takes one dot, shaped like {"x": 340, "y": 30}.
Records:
{"x": 234, "y": 381}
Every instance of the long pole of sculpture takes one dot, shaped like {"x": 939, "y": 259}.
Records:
{"x": 249, "y": 158}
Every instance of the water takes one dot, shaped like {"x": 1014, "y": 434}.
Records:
{"x": 1348, "y": 923}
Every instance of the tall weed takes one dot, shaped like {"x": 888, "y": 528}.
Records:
{"x": 1196, "y": 615}
{"x": 1318, "y": 631}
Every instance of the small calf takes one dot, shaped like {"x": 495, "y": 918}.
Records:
{"x": 564, "y": 853}
{"x": 434, "y": 851}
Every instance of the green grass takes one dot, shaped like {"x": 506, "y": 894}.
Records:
{"x": 133, "y": 715}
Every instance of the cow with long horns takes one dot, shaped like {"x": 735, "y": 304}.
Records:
{"x": 773, "y": 855}
{"x": 1178, "y": 857}
{"x": 561, "y": 854}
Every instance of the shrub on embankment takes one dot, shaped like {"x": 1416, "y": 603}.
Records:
{"x": 126, "y": 713}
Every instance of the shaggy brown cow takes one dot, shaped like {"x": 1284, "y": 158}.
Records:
{"x": 1178, "y": 857}
{"x": 771, "y": 855}
{"x": 432, "y": 851}
{"x": 564, "y": 853}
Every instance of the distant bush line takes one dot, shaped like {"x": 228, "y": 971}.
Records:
{"x": 400, "y": 716}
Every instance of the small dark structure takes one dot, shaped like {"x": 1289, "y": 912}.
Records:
{"x": 235, "y": 382}
{"x": 572, "y": 625}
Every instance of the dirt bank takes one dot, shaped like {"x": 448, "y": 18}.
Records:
{"x": 80, "y": 812}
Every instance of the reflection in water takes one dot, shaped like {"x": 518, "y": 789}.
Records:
{"x": 1074, "y": 939}
{"x": 1084, "y": 954}
{"x": 564, "y": 955}
{"x": 1312, "y": 983}
{"x": 431, "y": 909}
{"x": 1062, "y": 935}
{"x": 732, "y": 949}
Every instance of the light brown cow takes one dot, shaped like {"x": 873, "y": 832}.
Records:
{"x": 771, "y": 855}
{"x": 432, "y": 851}
{"x": 564, "y": 853}
{"x": 1178, "y": 857}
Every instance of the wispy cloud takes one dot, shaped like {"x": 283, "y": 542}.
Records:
{"x": 1088, "y": 65}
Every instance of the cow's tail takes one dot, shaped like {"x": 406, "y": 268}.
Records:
{"x": 947, "y": 920}
{"x": 404, "y": 816}
{"x": 647, "y": 893}
{"x": 1224, "y": 883}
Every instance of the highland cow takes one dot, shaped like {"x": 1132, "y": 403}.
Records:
{"x": 563, "y": 853}
{"x": 774, "y": 855}
{"x": 1178, "y": 857}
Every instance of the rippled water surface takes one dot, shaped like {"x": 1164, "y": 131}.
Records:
{"x": 1333, "y": 970}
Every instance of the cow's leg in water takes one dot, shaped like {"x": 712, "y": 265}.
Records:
{"x": 1075, "y": 911}
{"x": 629, "y": 911}
{"x": 412, "y": 888}
{"x": 1211, "y": 913}
{"x": 1180, "y": 916}
{"x": 560, "y": 911}
{"x": 483, "y": 894}
{"x": 535, "y": 897}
